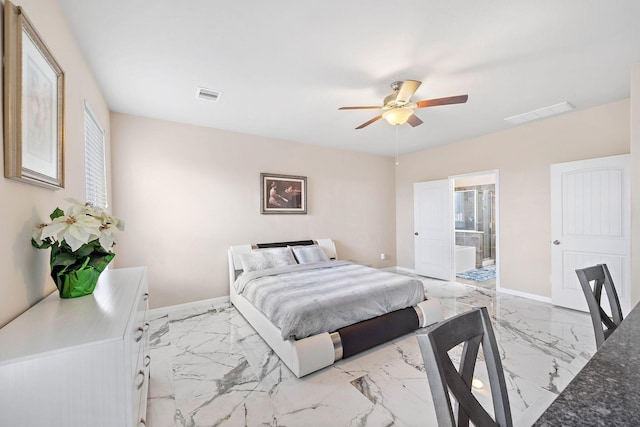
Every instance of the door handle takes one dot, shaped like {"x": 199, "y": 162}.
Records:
{"x": 556, "y": 242}
{"x": 416, "y": 233}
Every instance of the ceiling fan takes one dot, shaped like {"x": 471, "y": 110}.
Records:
{"x": 399, "y": 107}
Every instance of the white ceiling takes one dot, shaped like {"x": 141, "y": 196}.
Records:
{"x": 285, "y": 66}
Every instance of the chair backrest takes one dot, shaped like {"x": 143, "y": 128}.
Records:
{"x": 471, "y": 328}
{"x": 603, "y": 324}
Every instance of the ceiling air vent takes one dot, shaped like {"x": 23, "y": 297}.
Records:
{"x": 208, "y": 94}
{"x": 540, "y": 113}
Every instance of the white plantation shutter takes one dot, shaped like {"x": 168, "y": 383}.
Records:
{"x": 95, "y": 169}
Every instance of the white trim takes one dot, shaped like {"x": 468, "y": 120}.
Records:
{"x": 404, "y": 269}
{"x": 496, "y": 173}
{"x": 163, "y": 311}
{"x": 525, "y": 295}
{"x": 467, "y": 175}
{"x": 501, "y": 290}
{"x": 497, "y": 207}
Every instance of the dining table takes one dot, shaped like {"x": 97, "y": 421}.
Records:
{"x": 606, "y": 392}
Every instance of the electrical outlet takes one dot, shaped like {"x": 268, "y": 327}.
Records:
{"x": 383, "y": 256}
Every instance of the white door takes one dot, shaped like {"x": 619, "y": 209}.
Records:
{"x": 433, "y": 222}
{"x": 590, "y": 224}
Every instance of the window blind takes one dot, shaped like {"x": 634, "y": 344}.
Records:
{"x": 95, "y": 169}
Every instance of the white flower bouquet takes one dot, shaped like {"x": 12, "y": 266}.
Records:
{"x": 81, "y": 241}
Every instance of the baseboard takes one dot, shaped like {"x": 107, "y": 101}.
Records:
{"x": 503, "y": 290}
{"x": 524, "y": 295}
{"x": 162, "y": 311}
{"x": 406, "y": 270}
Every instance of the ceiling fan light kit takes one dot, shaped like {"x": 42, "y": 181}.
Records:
{"x": 399, "y": 107}
{"x": 397, "y": 116}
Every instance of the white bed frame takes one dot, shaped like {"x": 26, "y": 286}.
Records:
{"x": 312, "y": 353}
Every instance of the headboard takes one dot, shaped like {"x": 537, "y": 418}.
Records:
{"x": 235, "y": 264}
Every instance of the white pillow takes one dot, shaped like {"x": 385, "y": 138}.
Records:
{"x": 261, "y": 259}
{"x": 309, "y": 254}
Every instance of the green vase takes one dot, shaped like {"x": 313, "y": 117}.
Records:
{"x": 79, "y": 280}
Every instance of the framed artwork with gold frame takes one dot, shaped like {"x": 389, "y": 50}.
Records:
{"x": 283, "y": 194}
{"x": 33, "y": 104}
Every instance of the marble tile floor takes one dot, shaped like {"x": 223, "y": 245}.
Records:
{"x": 487, "y": 284}
{"x": 210, "y": 368}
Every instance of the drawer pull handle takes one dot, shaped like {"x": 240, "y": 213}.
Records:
{"x": 146, "y": 326}
{"x": 140, "y": 374}
{"x": 146, "y": 296}
{"x": 142, "y": 422}
{"x": 139, "y": 333}
{"x": 147, "y": 360}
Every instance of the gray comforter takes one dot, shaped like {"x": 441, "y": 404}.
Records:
{"x": 308, "y": 299}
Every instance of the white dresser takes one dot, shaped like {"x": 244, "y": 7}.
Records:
{"x": 79, "y": 362}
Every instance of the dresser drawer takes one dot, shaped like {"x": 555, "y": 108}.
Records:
{"x": 78, "y": 375}
{"x": 142, "y": 393}
{"x": 139, "y": 336}
{"x": 141, "y": 360}
{"x": 139, "y": 394}
{"x": 142, "y": 363}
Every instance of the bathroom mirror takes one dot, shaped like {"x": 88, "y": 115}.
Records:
{"x": 465, "y": 210}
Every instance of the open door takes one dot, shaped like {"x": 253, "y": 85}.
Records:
{"x": 433, "y": 222}
{"x": 590, "y": 224}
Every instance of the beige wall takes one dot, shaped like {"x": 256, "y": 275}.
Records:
{"x": 24, "y": 270}
{"x": 523, "y": 156}
{"x": 187, "y": 193}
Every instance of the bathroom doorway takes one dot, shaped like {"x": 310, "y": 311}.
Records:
{"x": 476, "y": 229}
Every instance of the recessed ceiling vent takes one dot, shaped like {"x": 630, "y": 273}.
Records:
{"x": 540, "y": 113}
{"x": 208, "y": 94}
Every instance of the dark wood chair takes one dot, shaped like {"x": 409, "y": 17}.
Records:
{"x": 471, "y": 328}
{"x": 603, "y": 324}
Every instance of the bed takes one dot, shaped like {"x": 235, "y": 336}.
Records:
{"x": 388, "y": 305}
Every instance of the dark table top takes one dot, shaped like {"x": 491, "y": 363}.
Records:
{"x": 606, "y": 392}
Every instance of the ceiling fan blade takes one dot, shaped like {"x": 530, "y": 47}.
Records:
{"x": 368, "y": 107}
{"x": 414, "y": 120}
{"x": 459, "y": 99}
{"x": 367, "y": 123}
{"x": 408, "y": 88}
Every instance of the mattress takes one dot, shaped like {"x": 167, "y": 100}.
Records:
{"x": 308, "y": 299}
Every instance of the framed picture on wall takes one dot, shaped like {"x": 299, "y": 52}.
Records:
{"x": 283, "y": 194}
{"x": 33, "y": 104}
